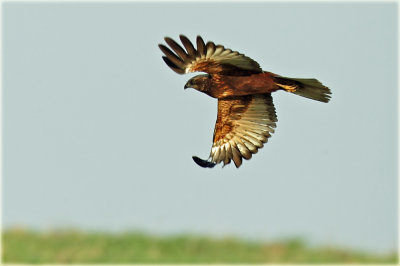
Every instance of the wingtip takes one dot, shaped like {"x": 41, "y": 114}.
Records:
{"x": 203, "y": 163}
{"x": 161, "y": 46}
{"x": 183, "y": 36}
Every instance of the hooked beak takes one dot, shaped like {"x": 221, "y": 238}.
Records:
{"x": 186, "y": 86}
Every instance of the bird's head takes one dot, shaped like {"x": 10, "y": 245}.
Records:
{"x": 199, "y": 82}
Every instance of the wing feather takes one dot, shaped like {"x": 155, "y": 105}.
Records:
{"x": 177, "y": 48}
{"x": 210, "y": 58}
{"x": 201, "y": 47}
{"x": 188, "y": 46}
{"x": 173, "y": 66}
{"x": 178, "y": 62}
{"x": 228, "y": 153}
{"x": 243, "y": 125}
{"x": 210, "y": 47}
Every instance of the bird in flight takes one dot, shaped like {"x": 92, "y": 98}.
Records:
{"x": 246, "y": 114}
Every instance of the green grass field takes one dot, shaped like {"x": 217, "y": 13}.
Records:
{"x": 22, "y": 246}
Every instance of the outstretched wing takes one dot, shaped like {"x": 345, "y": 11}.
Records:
{"x": 244, "y": 124}
{"x": 209, "y": 58}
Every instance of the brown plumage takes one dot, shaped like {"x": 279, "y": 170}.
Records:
{"x": 246, "y": 114}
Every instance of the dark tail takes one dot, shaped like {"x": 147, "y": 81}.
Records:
{"x": 309, "y": 88}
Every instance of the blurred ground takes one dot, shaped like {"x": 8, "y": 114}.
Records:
{"x": 70, "y": 246}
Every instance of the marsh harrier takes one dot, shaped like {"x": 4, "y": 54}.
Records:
{"x": 246, "y": 114}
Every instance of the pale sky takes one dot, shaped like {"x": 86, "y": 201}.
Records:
{"x": 98, "y": 132}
